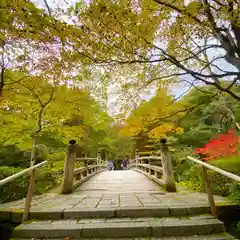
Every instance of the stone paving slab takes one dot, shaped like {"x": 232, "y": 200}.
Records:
{"x": 125, "y": 229}
{"x": 182, "y": 227}
{"x": 46, "y": 214}
{"x": 88, "y": 213}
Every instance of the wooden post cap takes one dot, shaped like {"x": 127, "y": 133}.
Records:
{"x": 72, "y": 142}
{"x": 72, "y": 146}
{"x": 163, "y": 140}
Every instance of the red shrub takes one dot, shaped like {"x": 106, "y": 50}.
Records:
{"x": 224, "y": 145}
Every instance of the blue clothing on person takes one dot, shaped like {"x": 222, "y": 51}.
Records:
{"x": 110, "y": 165}
{"x": 124, "y": 164}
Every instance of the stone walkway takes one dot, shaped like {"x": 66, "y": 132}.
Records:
{"x": 119, "y": 182}
{"x": 115, "y": 189}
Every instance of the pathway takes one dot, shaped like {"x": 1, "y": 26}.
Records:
{"x": 119, "y": 182}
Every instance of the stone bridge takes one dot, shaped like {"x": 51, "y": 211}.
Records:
{"x": 119, "y": 204}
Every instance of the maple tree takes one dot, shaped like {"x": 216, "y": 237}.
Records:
{"x": 164, "y": 41}
{"x": 223, "y": 145}
{"x": 32, "y": 107}
{"x": 153, "y": 119}
{"x": 161, "y": 40}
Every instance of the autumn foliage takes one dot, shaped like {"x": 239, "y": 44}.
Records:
{"x": 224, "y": 145}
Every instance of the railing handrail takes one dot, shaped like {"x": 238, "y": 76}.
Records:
{"x": 19, "y": 174}
{"x": 153, "y": 167}
{"x": 85, "y": 158}
{"x": 216, "y": 169}
{"x": 150, "y": 157}
{"x": 82, "y": 169}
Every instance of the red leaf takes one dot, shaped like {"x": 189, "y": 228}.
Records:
{"x": 223, "y": 145}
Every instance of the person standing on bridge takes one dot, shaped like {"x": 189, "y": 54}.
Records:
{"x": 110, "y": 165}
{"x": 114, "y": 165}
{"x": 124, "y": 164}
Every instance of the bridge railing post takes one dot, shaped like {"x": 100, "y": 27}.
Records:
{"x": 31, "y": 183}
{"x": 209, "y": 191}
{"x": 136, "y": 158}
{"x": 67, "y": 186}
{"x": 168, "y": 177}
{"x": 85, "y": 163}
{"x": 99, "y": 162}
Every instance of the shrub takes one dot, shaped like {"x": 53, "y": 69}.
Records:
{"x": 47, "y": 178}
{"x": 12, "y": 156}
{"x": 190, "y": 176}
{"x": 224, "y": 145}
{"x": 235, "y": 194}
{"x": 230, "y": 164}
{"x": 41, "y": 153}
{"x": 14, "y": 190}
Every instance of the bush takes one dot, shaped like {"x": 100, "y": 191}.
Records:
{"x": 230, "y": 164}
{"x": 195, "y": 137}
{"x": 50, "y": 176}
{"x": 227, "y": 186}
{"x": 238, "y": 226}
{"x": 179, "y": 155}
{"x": 220, "y": 184}
{"x": 47, "y": 178}
{"x": 14, "y": 190}
{"x": 235, "y": 194}
{"x": 41, "y": 153}
{"x": 12, "y": 156}
{"x": 190, "y": 176}
{"x": 56, "y": 160}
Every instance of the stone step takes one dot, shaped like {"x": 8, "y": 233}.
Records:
{"x": 76, "y": 213}
{"x": 119, "y": 228}
{"x": 222, "y": 236}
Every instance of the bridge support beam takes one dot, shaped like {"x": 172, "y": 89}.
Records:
{"x": 67, "y": 186}
{"x": 168, "y": 177}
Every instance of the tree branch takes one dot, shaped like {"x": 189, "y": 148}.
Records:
{"x": 41, "y": 112}
{"x": 188, "y": 110}
{"x": 179, "y": 10}
{"x": 2, "y": 69}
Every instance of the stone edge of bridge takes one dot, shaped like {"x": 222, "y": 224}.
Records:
{"x": 154, "y": 211}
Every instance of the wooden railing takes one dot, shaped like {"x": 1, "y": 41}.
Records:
{"x": 28, "y": 200}
{"x": 153, "y": 172}
{"x": 74, "y": 177}
{"x": 208, "y": 188}
{"x": 84, "y": 173}
{"x": 163, "y": 173}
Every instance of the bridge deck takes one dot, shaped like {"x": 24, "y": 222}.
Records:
{"x": 113, "y": 190}
{"x": 119, "y": 182}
